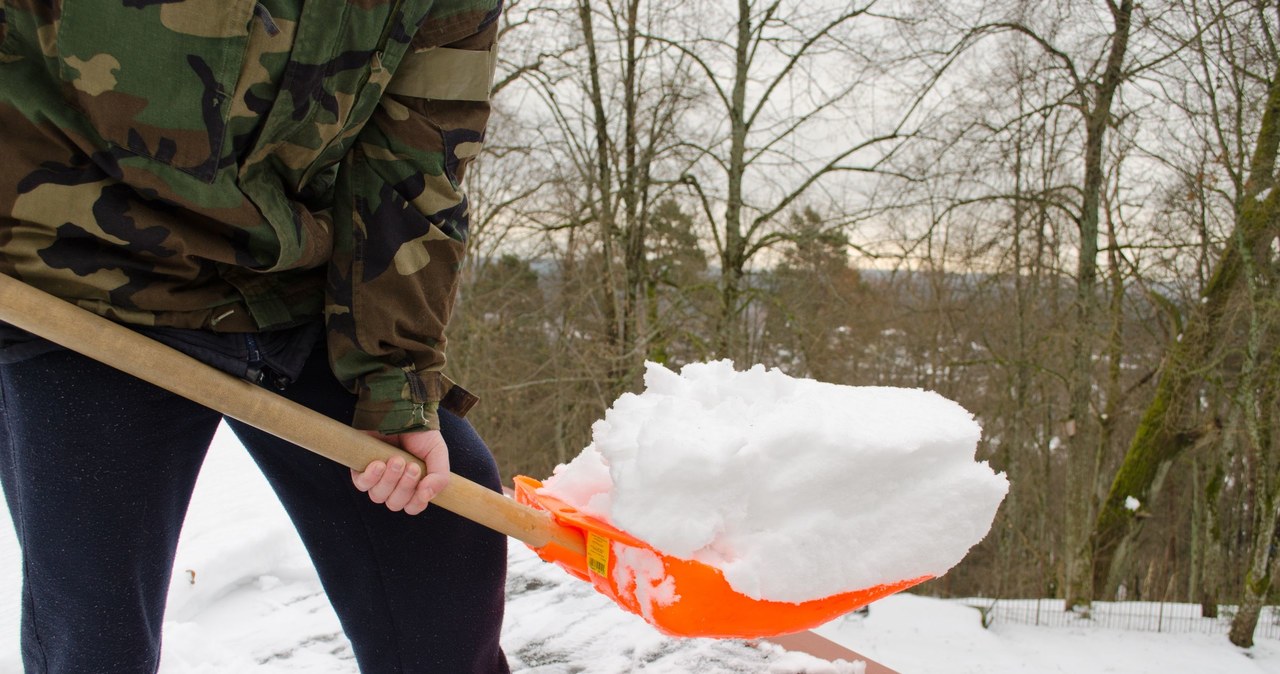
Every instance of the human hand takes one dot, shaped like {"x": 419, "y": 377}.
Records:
{"x": 399, "y": 484}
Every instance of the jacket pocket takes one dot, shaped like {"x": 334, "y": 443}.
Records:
{"x": 156, "y": 80}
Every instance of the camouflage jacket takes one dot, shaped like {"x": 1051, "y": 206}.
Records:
{"x": 242, "y": 166}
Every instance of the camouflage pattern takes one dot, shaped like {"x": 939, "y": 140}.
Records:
{"x": 241, "y": 166}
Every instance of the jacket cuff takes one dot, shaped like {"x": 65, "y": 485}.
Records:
{"x": 399, "y": 401}
{"x": 402, "y": 416}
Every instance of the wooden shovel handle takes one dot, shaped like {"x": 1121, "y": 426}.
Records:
{"x": 100, "y": 339}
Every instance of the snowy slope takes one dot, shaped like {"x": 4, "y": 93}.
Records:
{"x": 245, "y": 600}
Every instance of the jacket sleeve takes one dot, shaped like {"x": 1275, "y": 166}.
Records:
{"x": 400, "y": 225}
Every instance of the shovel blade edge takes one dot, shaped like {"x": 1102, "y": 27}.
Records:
{"x": 681, "y": 597}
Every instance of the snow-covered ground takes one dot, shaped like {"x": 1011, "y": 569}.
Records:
{"x": 245, "y": 600}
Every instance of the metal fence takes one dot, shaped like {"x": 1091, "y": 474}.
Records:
{"x": 1121, "y": 615}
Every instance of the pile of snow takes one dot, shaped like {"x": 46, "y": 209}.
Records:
{"x": 794, "y": 488}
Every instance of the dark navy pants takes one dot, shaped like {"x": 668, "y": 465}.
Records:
{"x": 98, "y": 469}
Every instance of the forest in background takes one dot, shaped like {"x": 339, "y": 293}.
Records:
{"x": 1059, "y": 214}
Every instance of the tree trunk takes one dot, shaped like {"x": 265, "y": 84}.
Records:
{"x": 733, "y": 258}
{"x": 1083, "y": 427}
{"x": 1257, "y": 581}
{"x": 1208, "y": 562}
{"x": 602, "y": 206}
{"x": 632, "y": 192}
{"x": 1256, "y": 397}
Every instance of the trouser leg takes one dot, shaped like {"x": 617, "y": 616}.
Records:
{"x": 98, "y": 469}
{"x": 414, "y": 594}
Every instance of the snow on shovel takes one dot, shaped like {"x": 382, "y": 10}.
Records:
{"x": 721, "y": 502}
{"x": 696, "y": 599}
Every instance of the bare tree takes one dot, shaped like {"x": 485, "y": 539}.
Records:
{"x": 1079, "y": 73}
{"x": 778, "y": 128}
{"x": 1164, "y": 432}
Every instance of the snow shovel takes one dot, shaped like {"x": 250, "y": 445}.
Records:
{"x": 678, "y": 597}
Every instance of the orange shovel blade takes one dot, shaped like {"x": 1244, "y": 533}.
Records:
{"x": 678, "y": 596}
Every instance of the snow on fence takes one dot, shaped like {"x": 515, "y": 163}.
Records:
{"x": 1138, "y": 616}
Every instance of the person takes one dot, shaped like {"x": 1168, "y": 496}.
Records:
{"x": 272, "y": 187}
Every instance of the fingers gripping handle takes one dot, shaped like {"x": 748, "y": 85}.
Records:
{"x": 110, "y": 343}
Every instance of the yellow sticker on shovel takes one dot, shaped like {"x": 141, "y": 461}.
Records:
{"x": 598, "y": 553}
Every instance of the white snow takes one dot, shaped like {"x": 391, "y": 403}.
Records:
{"x": 256, "y": 607}
{"x": 796, "y": 489}
{"x": 644, "y": 569}
{"x": 1132, "y": 504}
